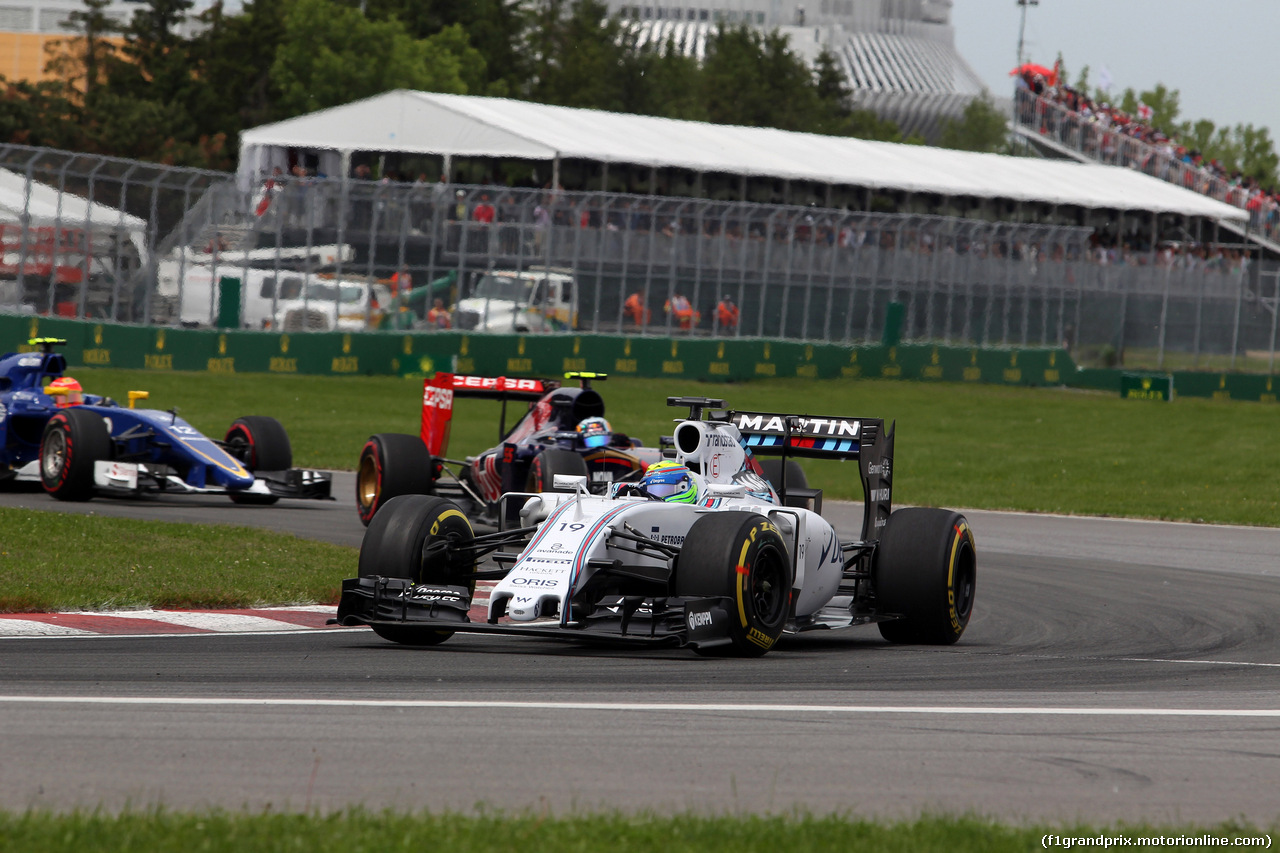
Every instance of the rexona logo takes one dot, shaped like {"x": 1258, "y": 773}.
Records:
{"x": 699, "y": 620}
{"x": 817, "y": 427}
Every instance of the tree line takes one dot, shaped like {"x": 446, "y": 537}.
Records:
{"x": 142, "y": 90}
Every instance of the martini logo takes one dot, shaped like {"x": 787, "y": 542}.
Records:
{"x": 809, "y": 426}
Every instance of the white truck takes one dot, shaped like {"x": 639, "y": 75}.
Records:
{"x": 530, "y": 300}
{"x": 270, "y": 298}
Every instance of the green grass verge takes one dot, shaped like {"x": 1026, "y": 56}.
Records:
{"x": 979, "y": 446}
{"x": 389, "y": 832}
{"x": 60, "y": 561}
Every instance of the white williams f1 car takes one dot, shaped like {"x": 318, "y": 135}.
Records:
{"x": 703, "y": 551}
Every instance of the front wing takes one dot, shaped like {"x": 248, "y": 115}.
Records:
{"x": 401, "y": 605}
{"x": 133, "y": 478}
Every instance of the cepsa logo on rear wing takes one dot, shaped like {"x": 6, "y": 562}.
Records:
{"x": 439, "y": 391}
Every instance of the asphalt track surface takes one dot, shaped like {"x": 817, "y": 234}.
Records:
{"x": 1113, "y": 670}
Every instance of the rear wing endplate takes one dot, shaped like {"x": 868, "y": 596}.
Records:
{"x": 837, "y": 438}
{"x": 439, "y": 391}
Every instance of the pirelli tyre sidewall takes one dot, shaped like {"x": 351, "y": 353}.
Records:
{"x": 925, "y": 571}
{"x": 394, "y": 546}
{"x": 391, "y": 464}
{"x": 261, "y": 444}
{"x": 743, "y": 557}
{"x": 73, "y": 440}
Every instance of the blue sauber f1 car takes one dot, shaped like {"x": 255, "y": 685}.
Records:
{"x": 79, "y": 445}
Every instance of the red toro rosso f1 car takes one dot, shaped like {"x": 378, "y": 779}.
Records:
{"x": 702, "y": 551}
{"x": 562, "y": 432}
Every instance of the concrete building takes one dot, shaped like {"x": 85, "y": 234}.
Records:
{"x": 898, "y": 55}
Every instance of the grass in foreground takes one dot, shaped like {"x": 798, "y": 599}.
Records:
{"x": 979, "y": 446}
{"x": 388, "y": 832}
{"x": 60, "y": 561}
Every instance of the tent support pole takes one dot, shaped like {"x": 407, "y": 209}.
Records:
{"x": 448, "y": 168}
{"x": 555, "y": 173}
{"x": 604, "y": 177}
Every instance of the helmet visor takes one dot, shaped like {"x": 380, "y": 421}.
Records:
{"x": 667, "y": 489}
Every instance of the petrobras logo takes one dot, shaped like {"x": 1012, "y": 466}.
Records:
{"x": 437, "y": 398}
{"x": 810, "y": 426}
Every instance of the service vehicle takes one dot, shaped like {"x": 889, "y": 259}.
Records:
{"x": 703, "y": 551}
{"x": 562, "y": 432}
{"x": 81, "y": 445}
{"x": 519, "y": 301}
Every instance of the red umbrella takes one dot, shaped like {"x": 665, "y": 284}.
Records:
{"x": 1031, "y": 68}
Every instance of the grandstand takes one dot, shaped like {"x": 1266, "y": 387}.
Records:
{"x": 899, "y": 55}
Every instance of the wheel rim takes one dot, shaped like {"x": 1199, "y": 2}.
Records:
{"x": 54, "y": 456}
{"x": 769, "y": 587}
{"x": 238, "y": 446}
{"x": 367, "y": 482}
{"x": 965, "y": 581}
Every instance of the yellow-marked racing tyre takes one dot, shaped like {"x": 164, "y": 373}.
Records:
{"x": 740, "y": 556}
{"x": 404, "y": 541}
{"x": 925, "y": 572}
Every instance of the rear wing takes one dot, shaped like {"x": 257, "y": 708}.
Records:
{"x": 838, "y": 438}
{"x": 438, "y": 392}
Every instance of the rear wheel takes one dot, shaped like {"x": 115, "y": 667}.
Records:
{"x": 417, "y": 537}
{"x": 547, "y": 464}
{"x": 926, "y": 572}
{"x": 742, "y": 556}
{"x": 796, "y": 478}
{"x": 74, "y": 439}
{"x": 261, "y": 444}
{"x": 391, "y": 464}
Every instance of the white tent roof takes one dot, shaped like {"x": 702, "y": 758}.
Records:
{"x": 48, "y": 206}
{"x": 467, "y": 126}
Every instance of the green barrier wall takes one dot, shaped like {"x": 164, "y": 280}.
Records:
{"x": 411, "y": 354}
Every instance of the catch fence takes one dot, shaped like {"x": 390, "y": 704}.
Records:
{"x": 155, "y": 244}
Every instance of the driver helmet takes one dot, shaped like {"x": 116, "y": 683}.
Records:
{"x": 73, "y": 396}
{"x": 595, "y": 432}
{"x": 671, "y": 482}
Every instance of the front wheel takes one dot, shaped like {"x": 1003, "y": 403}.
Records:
{"x": 260, "y": 443}
{"x": 74, "y": 439}
{"x": 741, "y": 556}
{"x": 391, "y": 464}
{"x": 547, "y": 464}
{"x": 418, "y": 537}
{"x": 925, "y": 572}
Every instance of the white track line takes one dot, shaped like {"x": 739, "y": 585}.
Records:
{"x": 942, "y": 710}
